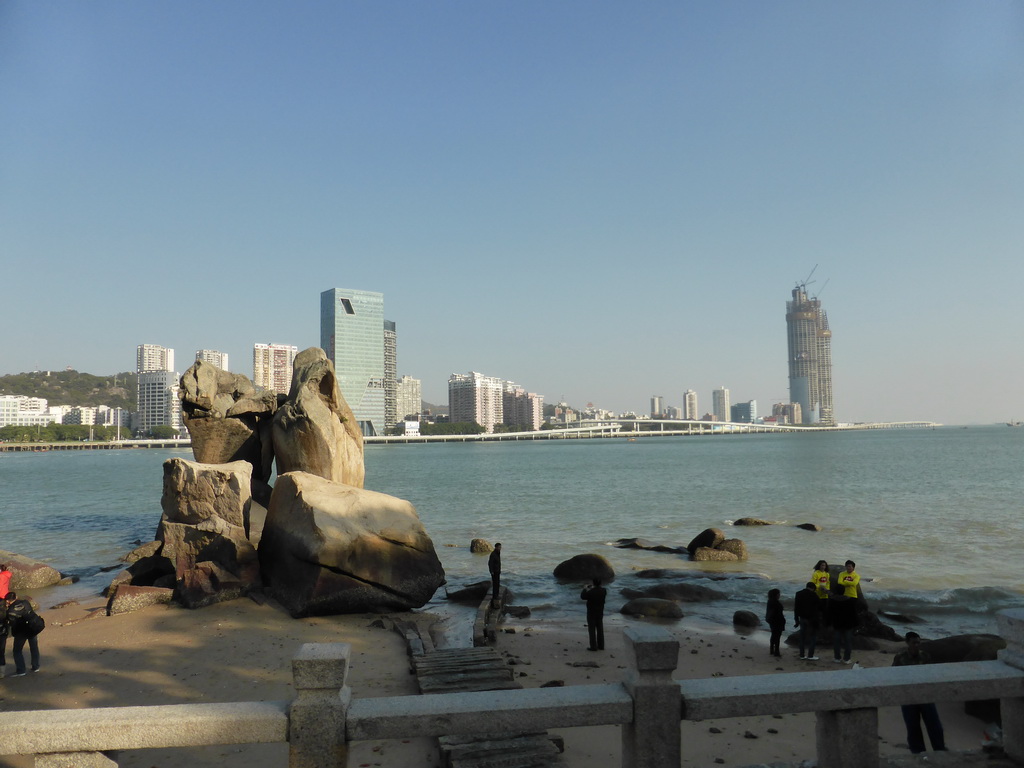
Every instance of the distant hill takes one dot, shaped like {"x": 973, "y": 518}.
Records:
{"x": 74, "y": 388}
{"x": 437, "y": 410}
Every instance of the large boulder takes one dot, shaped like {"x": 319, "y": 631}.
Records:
{"x": 980, "y": 647}
{"x": 713, "y": 555}
{"x": 709, "y": 537}
{"x": 679, "y": 591}
{"x": 27, "y": 573}
{"x": 205, "y": 520}
{"x": 330, "y": 548}
{"x": 229, "y": 420}
{"x": 314, "y": 430}
{"x": 735, "y": 546}
{"x": 652, "y": 608}
{"x": 584, "y": 568}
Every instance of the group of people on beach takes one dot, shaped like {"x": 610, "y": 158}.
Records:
{"x": 824, "y": 603}
{"x": 19, "y": 620}
{"x": 821, "y": 603}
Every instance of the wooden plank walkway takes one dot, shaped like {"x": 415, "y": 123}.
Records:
{"x": 482, "y": 668}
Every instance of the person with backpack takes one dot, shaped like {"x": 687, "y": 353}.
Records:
{"x": 25, "y": 625}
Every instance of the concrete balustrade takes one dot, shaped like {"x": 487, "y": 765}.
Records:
{"x": 324, "y": 718}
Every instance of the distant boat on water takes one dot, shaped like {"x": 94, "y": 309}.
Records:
{"x": 1015, "y": 423}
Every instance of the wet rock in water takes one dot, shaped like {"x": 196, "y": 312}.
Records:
{"x": 584, "y": 568}
{"x": 709, "y": 537}
{"x": 652, "y": 607}
{"x": 331, "y": 548}
{"x": 518, "y": 611}
{"x": 680, "y": 591}
{"x": 472, "y": 593}
{"x": 714, "y": 555}
{"x": 480, "y": 546}
{"x": 734, "y": 546}
{"x": 314, "y": 431}
{"x": 652, "y": 546}
{"x": 900, "y": 618}
{"x": 752, "y": 521}
{"x": 145, "y": 550}
{"x": 869, "y": 625}
{"x": 808, "y": 526}
{"x": 747, "y": 619}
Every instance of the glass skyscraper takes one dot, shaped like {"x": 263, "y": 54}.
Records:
{"x": 352, "y": 335}
{"x": 810, "y": 358}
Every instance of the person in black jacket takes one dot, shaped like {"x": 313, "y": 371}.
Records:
{"x": 842, "y": 614}
{"x": 595, "y": 594}
{"x": 25, "y": 625}
{"x": 805, "y": 618}
{"x": 494, "y": 566}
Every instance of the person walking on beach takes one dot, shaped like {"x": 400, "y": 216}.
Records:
{"x": 805, "y": 618}
{"x": 776, "y": 617}
{"x": 595, "y": 594}
{"x": 842, "y": 613}
{"x": 25, "y": 625}
{"x": 913, "y": 714}
{"x": 494, "y": 566}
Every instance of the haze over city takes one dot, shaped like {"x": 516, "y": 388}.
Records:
{"x": 600, "y": 201}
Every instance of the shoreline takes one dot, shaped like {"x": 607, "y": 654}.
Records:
{"x": 241, "y": 650}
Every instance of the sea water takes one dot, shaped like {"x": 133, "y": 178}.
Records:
{"x": 931, "y": 516}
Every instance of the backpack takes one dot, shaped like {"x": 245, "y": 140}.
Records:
{"x": 33, "y": 624}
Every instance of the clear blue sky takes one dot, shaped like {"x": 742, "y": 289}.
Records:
{"x": 601, "y": 201}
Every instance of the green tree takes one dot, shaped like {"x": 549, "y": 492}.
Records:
{"x": 163, "y": 433}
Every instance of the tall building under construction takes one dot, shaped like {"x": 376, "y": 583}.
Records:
{"x": 810, "y": 358}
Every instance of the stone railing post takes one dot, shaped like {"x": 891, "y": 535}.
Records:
{"x": 1011, "y": 628}
{"x": 652, "y": 740}
{"x": 847, "y": 738}
{"x": 316, "y": 721}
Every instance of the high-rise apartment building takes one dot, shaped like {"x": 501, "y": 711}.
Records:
{"x": 690, "y": 405}
{"x": 212, "y": 356}
{"x": 272, "y": 366}
{"x": 657, "y": 406}
{"x": 409, "y": 397}
{"x": 153, "y": 357}
{"x": 475, "y": 397}
{"x": 158, "y": 403}
{"x": 352, "y": 335}
{"x": 390, "y": 375}
{"x": 521, "y": 410}
{"x": 810, "y": 357}
{"x": 720, "y": 404}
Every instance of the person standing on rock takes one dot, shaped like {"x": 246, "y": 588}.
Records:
{"x": 494, "y": 566}
{"x": 595, "y": 594}
{"x": 913, "y": 714}
{"x": 805, "y": 617}
{"x": 821, "y": 577}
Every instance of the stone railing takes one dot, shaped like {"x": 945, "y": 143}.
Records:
{"x": 323, "y": 719}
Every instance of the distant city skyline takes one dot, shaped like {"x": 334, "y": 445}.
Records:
{"x": 550, "y": 193}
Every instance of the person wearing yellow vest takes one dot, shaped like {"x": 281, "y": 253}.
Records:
{"x": 820, "y": 577}
{"x": 849, "y": 579}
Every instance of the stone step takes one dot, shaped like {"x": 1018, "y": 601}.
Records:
{"x": 463, "y": 686}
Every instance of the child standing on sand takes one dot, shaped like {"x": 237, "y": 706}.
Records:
{"x": 776, "y": 618}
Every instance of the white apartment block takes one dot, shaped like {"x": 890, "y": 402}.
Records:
{"x": 475, "y": 397}
{"x": 720, "y": 404}
{"x": 212, "y": 356}
{"x": 272, "y": 366}
{"x": 408, "y": 397}
{"x": 159, "y": 405}
{"x": 523, "y": 410}
{"x": 690, "y": 405}
{"x": 153, "y": 357}
{"x": 22, "y": 411}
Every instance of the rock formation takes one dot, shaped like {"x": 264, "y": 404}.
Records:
{"x": 709, "y": 537}
{"x": 711, "y": 545}
{"x": 229, "y": 420}
{"x": 585, "y": 568}
{"x": 315, "y": 431}
{"x": 332, "y": 548}
{"x": 652, "y": 607}
{"x": 27, "y": 573}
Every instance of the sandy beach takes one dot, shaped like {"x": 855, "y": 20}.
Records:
{"x": 241, "y": 651}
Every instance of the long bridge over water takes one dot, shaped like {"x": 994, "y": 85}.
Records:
{"x": 628, "y": 429}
